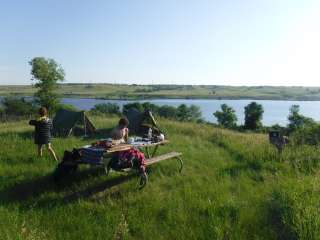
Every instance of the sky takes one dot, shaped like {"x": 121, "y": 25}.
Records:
{"x": 209, "y": 42}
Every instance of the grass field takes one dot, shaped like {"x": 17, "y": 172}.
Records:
{"x": 122, "y": 91}
{"x": 233, "y": 186}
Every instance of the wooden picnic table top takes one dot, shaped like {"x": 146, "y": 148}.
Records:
{"x": 126, "y": 146}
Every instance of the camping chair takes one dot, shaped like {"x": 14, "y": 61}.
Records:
{"x": 277, "y": 139}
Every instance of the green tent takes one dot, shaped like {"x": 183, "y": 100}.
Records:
{"x": 140, "y": 122}
{"x": 67, "y": 122}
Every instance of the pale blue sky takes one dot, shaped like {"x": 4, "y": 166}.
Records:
{"x": 248, "y": 42}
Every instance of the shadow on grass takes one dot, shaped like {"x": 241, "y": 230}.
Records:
{"x": 30, "y": 191}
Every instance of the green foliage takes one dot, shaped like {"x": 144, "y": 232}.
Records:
{"x": 106, "y": 108}
{"x": 167, "y": 111}
{"x": 181, "y": 113}
{"x": 226, "y": 117}
{"x": 135, "y": 105}
{"x": 18, "y": 106}
{"x": 188, "y": 114}
{"x": 253, "y": 116}
{"x": 297, "y": 120}
{"x": 309, "y": 134}
{"x": 46, "y": 73}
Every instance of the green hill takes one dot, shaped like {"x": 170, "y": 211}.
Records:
{"x": 125, "y": 91}
{"x": 233, "y": 186}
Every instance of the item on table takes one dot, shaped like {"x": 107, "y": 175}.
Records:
{"x": 150, "y": 133}
{"x": 131, "y": 140}
{"x": 102, "y": 144}
{"x": 161, "y": 137}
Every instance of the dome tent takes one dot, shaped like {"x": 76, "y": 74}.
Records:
{"x": 67, "y": 122}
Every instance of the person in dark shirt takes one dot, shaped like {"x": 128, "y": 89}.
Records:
{"x": 42, "y": 135}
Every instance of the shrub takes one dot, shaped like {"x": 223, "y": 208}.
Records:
{"x": 18, "y": 106}
{"x": 307, "y": 135}
{"x": 297, "y": 120}
{"x": 106, "y": 108}
{"x": 167, "y": 111}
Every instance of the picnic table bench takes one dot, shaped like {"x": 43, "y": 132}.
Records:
{"x": 106, "y": 154}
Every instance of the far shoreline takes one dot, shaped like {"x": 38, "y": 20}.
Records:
{"x": 171, "y": 98}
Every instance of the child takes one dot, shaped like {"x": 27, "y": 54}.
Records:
{"x": 121, "y": 132}
{"x": 43, "y": 127}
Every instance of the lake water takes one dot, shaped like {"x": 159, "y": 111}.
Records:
{"x": 274, "y": 111}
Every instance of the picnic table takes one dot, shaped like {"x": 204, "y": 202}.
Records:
{"x": 104, "y": 155}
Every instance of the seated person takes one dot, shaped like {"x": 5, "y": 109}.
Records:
{"x": 127, "y": 158}
{"x": 120, "y": 133}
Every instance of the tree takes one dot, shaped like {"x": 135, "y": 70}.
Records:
{"x": 297, "y": 120}
{"x": 46, "y": 73}
{"x": 226, "y": 117}
{"x": 189, "y": 114}
{"x": 253, "y": 115}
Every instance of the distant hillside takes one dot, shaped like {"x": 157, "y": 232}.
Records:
{"x": 122, "y": 91}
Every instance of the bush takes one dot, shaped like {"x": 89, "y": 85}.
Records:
{"x": 18, "y": 106}
{"x": 309, "y": 135}
{"x": 297, "y": 120}
{"x": 167, "y": 111}
{"x": 106, "y": 108}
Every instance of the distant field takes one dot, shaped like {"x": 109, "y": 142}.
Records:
{"x": 233, "y": 186}
{"x": 113, "y": 91}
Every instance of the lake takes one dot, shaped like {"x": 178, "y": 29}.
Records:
{"x": 274, "y": 111}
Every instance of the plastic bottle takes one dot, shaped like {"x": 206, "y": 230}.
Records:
{"x": 150, "y": 133}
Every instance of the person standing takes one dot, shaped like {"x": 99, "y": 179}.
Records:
{"x": 42, "y": 135}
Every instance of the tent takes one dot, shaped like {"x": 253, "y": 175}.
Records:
{"x": 139, "y": 122}
{"x": 66, "y": 122}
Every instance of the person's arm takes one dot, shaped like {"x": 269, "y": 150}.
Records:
{"x": 33, "y": 122}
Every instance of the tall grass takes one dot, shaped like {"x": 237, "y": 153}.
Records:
{"x": 233, "y": 186}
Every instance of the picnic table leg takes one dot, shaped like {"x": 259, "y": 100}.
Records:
{"x": 143, "y": 180}
{"x": 154, "y": 151}
{"x": 107, "y": 166}
{"x": 147, "y": 152}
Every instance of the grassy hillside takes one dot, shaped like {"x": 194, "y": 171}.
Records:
{"x": 233, "y": 186}
{"x": 113, "y": 91}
